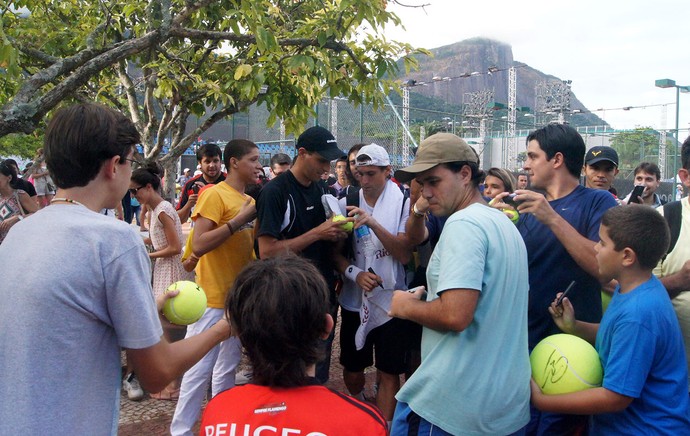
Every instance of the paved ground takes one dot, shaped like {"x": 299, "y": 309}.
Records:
{"x": 152, "y": 417}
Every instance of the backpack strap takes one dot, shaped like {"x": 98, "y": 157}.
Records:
{"x": 406, "y": 196}
{"x": 673, "y": 212}
{"x": 19, "y": 202}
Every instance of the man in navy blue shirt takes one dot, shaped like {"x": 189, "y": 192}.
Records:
{"x": 560, "y": 227}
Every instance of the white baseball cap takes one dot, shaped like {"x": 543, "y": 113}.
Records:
{"x": 372, "y": 155}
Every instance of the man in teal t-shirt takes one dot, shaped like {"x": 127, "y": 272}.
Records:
{"x": 474, "y": 375}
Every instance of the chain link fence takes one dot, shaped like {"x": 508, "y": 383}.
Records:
{"x": 349, "y": 124}
{"x": 352, "y": 124}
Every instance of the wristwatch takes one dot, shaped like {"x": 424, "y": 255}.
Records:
{"x": 416, "y": 212}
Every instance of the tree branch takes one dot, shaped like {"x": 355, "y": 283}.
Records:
{"x": 33, "y": 53}
{"x": 410, "y": 6}
{"x": 184, "y": 143}
{"x": 251, "y": 39}
{"x": 131, "y": 93}
{"x": 166, "y": 23}
{"x": 25, "y": 110}
{"x": 91, "y": 39}
{"x": 150, "y": 82}
{"x": 187, "y": 11}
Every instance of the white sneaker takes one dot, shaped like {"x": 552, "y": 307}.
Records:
{"x": 244, "y": 378}
{"x": 131, "y": 385}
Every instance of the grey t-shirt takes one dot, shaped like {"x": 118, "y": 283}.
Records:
{"x": 74, "y": 288}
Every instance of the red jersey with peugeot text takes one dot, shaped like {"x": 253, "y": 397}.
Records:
{"x": 303, "y": 411}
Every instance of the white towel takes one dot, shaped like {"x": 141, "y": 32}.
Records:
{"x": 375, "y": 304}
{"x": 373, "y": 313}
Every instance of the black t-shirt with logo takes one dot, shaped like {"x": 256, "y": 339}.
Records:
{"x": 287, "y": 209}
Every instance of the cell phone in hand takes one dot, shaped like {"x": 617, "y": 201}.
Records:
{"x": 637, "y": 192}
{"x": 195, "y": 189}
{"x": 510, "y": 200}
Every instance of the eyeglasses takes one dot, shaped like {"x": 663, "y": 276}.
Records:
{"x": 132, "y": 161}
{"x": 134, "y": 191}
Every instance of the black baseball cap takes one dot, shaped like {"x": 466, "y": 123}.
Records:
{"x": 599, "y": 153}
{"x": 321, "y": 141}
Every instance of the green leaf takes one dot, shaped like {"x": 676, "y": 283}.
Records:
{"x": 380, "y": 69}
{"x": 129, "y": 9}
{"x": 262, "y": 39}
{"x": 322, "y": 37}
{"x": 242, "y": 71}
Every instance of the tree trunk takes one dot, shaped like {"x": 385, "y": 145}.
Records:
{"x": 170, "y": 168}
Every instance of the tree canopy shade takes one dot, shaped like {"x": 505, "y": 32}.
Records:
{"x": 161, "y": 61}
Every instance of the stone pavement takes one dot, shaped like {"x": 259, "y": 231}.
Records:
{"x": 152, "y": 417}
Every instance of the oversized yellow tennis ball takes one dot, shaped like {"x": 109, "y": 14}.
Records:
{"x": 187, "y": 306}
{"x": 565, "y": 363}
{"x": 347, "y": 226}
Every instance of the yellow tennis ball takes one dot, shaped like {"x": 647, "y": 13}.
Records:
{"x": 512, "y": 214}
{"x": 605, "y": 301}
{"x": 187, "y": 306}
{"x": 347, "y": 226}
{"x": 565, "y": 363}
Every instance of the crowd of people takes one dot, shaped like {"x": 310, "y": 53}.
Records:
{"x": 450, "y": 276}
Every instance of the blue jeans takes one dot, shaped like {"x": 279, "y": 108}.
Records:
{"x": 323, "y": 366}
{"x": 136, "y": 210}
{"x": 408, "y": 423}
{"x": 556, "y": 424}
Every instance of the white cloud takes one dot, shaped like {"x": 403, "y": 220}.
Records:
{"x": 613, "y": 50}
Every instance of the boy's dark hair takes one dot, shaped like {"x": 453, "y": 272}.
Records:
{"x": 278, "y": 308}
{"x": 649, "y": 168}
{"x": 640, "y": 228}
{"x": 280, "y": 159}
{"x": 685, "y": 154}
{"x": 555, "y": 138}
{"x": 236, "y": 148}
{"x": 151, "y": 173}
{"x": 80, "y": 138}
{"x": 208, "y": 150}
{"x": 478, "y": 175}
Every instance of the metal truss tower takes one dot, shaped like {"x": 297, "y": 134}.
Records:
{"x": 476, "y": 107}
{"x": 334, "y": 117}
{"x": 406, "y": 123}
{"x": 282, "y": 135}
{"x": 510, "y": 154}
{"x": 552, "y": 98}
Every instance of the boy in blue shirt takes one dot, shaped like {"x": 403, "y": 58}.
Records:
{"x": 644, "y": 390}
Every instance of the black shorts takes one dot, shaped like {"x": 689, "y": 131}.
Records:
{"x": 390, "y": 343}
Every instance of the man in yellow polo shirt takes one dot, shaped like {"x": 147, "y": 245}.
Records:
{"x": 224, "y": 243}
